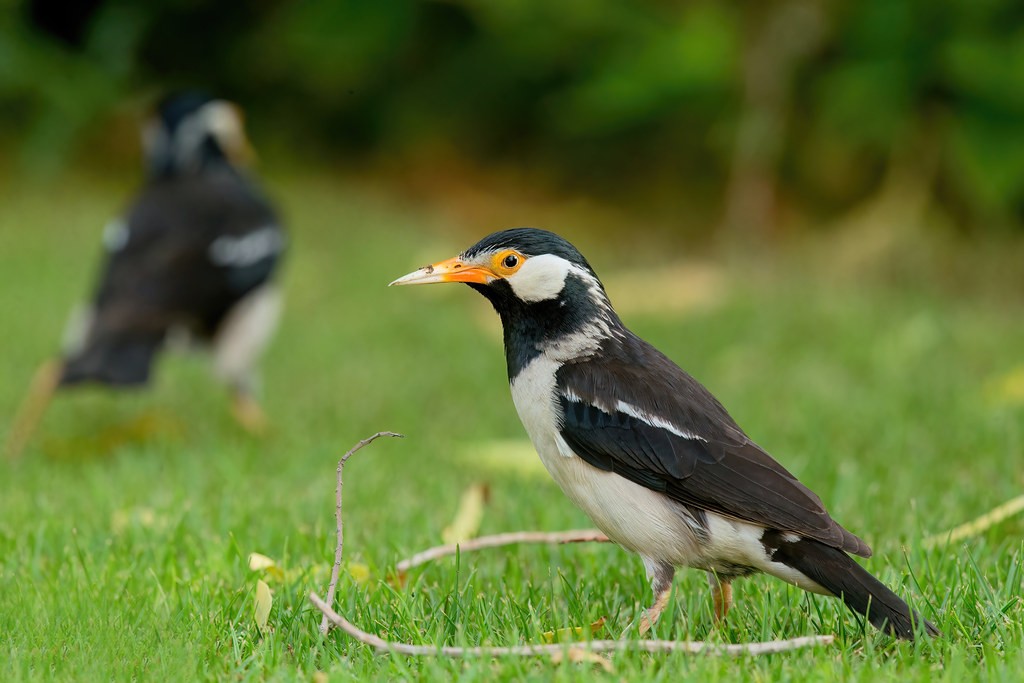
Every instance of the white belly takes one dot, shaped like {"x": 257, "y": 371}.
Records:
{"x": 632, "y": 515}
{"x": 244, "y": 334}
{"x": 637, "y": 518}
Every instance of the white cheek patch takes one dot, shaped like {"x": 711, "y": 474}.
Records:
{"x": 220, "y": 118}
{"x": 217, "y": 119}
{"x": 541, "y": 278}
{"x": 222, "y": 121}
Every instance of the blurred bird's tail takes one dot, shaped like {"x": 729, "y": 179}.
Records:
{"x": 838, "y": 573}
{"x": 113, "y": 361}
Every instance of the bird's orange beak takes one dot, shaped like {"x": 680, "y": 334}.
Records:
{"x": 450, "y": 270}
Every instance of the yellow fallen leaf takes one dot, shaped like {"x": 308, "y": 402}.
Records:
{"x": 468, "y": 516}
{"x": 264, "y": 601}
{"x": 1007, "y": 389}
{"x": 505, "y": 456}
{"x": 571, "y": 632}
{"x": 258, "y": 562}
{"x": 578, "y": 655}
{"x": 262, "y": 563}
{"x": 359, "y": 572}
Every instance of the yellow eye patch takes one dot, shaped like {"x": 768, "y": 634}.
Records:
{"x": 506, "y": 262}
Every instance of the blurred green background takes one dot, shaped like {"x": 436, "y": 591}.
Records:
{"x": 815, "y": 207}
{"x": 730, "y": 118}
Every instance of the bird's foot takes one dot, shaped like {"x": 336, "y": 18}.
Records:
{"x": 248, "y": 413}
{"x": 660, "y": 574}
{"x": 649, "y": 617}
{"x": 721, "y": 593}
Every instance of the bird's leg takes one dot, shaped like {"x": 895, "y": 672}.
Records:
{"x": 721, "y": 593}
{"x": 40, "y": 391}
{"x": 660, "y": 575}
{"x": 244, "y": 407}
{"x": 248, "y": 412}
{"x": 237, "y": 347}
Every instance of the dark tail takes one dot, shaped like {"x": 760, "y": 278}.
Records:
{"x": 117, "y": 361}
{"x": 838, "y": 573}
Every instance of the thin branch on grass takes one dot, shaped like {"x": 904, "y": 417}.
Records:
{"x": 330, "y": 617}
{"x": 686, "y": 646}
{"x": 978, "y": 526}
{"x": 496, "y": 541}
{"x": 324, "y": 624}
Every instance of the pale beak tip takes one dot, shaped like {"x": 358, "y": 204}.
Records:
{"x": 412, "y": 278}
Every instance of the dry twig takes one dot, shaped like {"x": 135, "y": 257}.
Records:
{"x": 496, "y": 541}
{"x": 687, "y": 646}
{"x": 978, "y": 526}
{"x": 557, "y": 651}
{"x": 324, "y": 625}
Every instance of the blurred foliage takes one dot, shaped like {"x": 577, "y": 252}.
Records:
{"x": 772, "y": 110}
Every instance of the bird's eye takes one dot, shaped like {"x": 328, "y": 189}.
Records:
{"x": 506, "y": 262}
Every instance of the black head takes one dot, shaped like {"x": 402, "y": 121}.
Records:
{"x": 533, "y": 262}
{"x": 174, "y": 108}
{"x": 191, "y": 131}
{"x": 529, "y": 242}
{"x": 542, "y": 287}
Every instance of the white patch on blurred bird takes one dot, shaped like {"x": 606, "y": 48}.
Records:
{"x": 242, "y": 250}
{"x": 115, "y": 235}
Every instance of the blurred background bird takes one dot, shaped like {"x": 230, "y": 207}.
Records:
{"x": 192, "y": 259}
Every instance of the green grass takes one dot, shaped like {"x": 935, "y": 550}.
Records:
{"x": 126, "y": 527}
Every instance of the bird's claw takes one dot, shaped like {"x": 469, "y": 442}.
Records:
{"x": 248, "y": 413}
{"x": 646, "y": 622}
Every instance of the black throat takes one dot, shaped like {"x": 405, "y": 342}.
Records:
{"x": 530, "y": 326}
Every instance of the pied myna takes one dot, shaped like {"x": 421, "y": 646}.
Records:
{"x": 193, "y": 258}
{"x": 643, "y": 448}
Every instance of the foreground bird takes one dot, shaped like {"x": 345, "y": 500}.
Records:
{"x": 643, "y": 448}
{"x": 193, "y": 257}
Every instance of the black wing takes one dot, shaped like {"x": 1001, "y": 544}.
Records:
{"x": 635, "y": 413}
{"x": 188, "y": 250}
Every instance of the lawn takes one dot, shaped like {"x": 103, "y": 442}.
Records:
{"x": 125, "y": 529}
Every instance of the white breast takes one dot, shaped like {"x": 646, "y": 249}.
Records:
{"x": 244, "y": 334}
{"x": 633, "y": 516}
